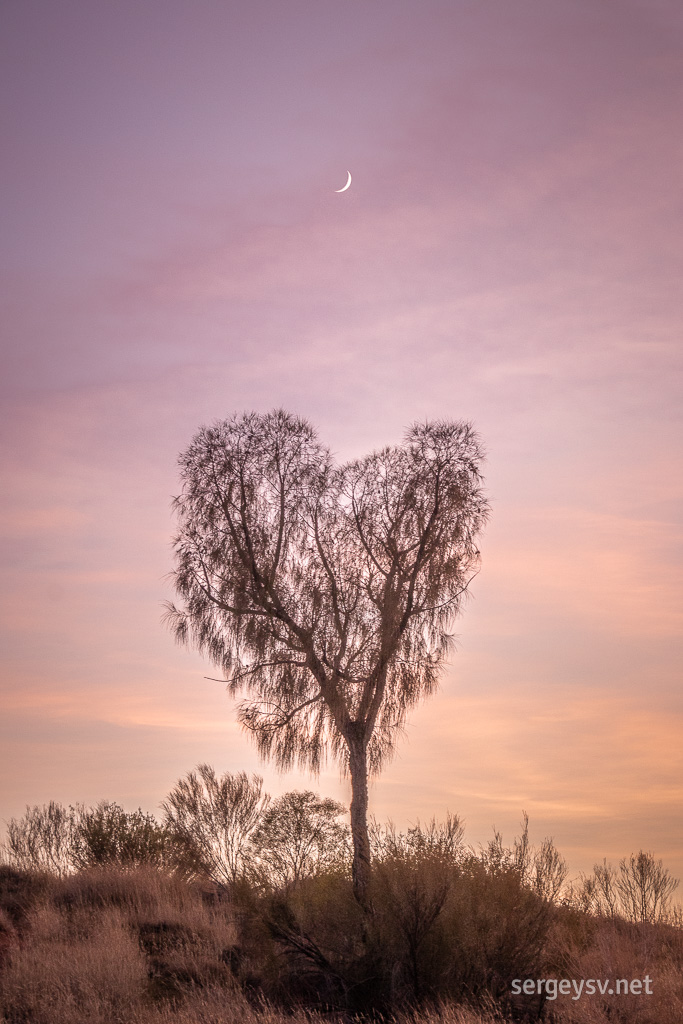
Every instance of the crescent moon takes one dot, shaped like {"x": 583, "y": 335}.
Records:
{"x": 346, "y": 185}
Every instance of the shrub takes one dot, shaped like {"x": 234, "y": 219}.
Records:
{"x": 497, "y": 930}
{"x": 61, "y": 840}
{"x": 449, "y": 931}
{"x": 107, "y": 834}
{"x": 319, "y": 931}
{"x": 410, "y": 893}
{"x": 640, "y": 890}
{"x": 542, "y": 869}
{"x": 443, "y": 926}
{"x": 43, "y": 840}
{"x": 299, "y": 836}
{"x": 214, "y": 817}
{"x": 445, "y": 839}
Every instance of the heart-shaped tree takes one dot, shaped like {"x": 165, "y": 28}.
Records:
{"x": 326, "y": 593}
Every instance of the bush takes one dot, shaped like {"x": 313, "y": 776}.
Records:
{"x": 640, "y": 890}
{"x": 61, "y": 840}
{"x": 299, "y": 836}
{"x": 131, "y": 937}
{"x": 43, "y": 840}
{"x": 213, "y": 817}
{"x": 444, "y": 926}
{"x": 319, "y": 946}
{"x": 107, "y": 834}
{"x": 542, "y": 869}
{"x": 450, "y": 930}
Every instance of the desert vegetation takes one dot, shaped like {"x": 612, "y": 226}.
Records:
{"x": 235, "y": 907}
{"x": 325, "y": 594}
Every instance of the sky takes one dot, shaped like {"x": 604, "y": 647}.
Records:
{"x": 173, "y": 250}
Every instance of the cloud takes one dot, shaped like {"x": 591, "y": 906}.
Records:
{"x": 599, "y": 770}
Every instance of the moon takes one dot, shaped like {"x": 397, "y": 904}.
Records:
{"x": 346, "y": 185}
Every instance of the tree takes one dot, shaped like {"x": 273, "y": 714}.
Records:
{"x": 43, "y": 840}
{"x": 107, "y": 834}
{"x": 299, "y": 836}
{"x": 61, "y": 840}
{"x": 542, "y": 869}
{"x": 439, "y": 839}
{"x": 645, "y": 887}
{"x": 214, "y": 818}
{"x": 640, "y": 890}
{"x": 326, "y": 593}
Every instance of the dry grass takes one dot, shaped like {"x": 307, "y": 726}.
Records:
{"x": 452, "y": 1015}
{"x": 88, "y": 969}
{"x": 143, "y": 947}
{"x": 616, "y": 950}
{"x": 104, "y": 946}
{"x": 111, "y": 947}
{"x": 215, "y": 1008}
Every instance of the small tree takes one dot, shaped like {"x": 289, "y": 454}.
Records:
{"x": 326, "y": 593}
{"x": 440, "y": 839}
{"x": 43, "y": 839}
{"x": 549, "y": 872}
{"x": 645, "y": 887}
{"x": 542, "y": 869}
{"x": 640, "y": 890}
{"x": 107, "y": 834}
{"x": 299, "y": 836}
{"x": 214, "y": 817}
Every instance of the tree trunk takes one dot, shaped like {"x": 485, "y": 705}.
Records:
{"x": 358, "y": 770}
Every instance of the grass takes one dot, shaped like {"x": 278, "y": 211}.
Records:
{"x": 110, "y": 946}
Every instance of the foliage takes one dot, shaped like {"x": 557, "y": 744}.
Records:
{"x": 444, "y": 839}
{"x": 216, "y": 816}
{"x": 299, "y": 835}
{"x": 107, "y": 834}
{"x": 443, "y": 927}
{"x": 455, "y": 922}
{"x": 326, "y": 593}
{"x": 61, "y": 840}
{"x": 542, "y": 869}
{"x": 451, "y": 928}
{"x": 43, "y": 839}
{"x": 640, "y": 890}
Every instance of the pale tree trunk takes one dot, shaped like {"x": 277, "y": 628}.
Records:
{"x": 358, "y": 770}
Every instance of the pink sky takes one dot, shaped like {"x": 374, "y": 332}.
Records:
{"x": 510, "y": 252}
